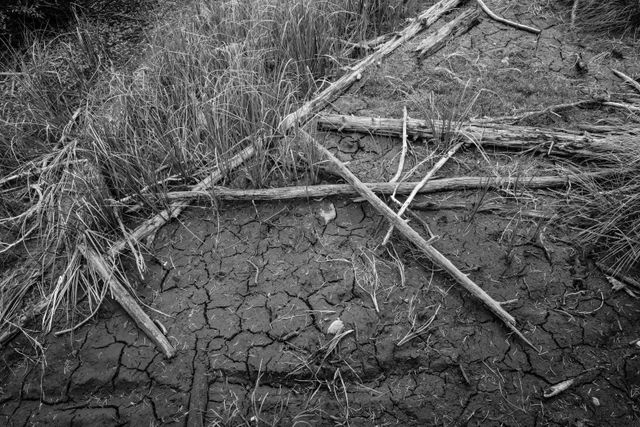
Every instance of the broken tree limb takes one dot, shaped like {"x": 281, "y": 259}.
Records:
{"x": 432, "y": 253}
{"x": 460, "y": 25}
{"x": 628, "y": 80}
{"x": 434, "y": 186}
{"x": 555, "y": 142}
{"x": 122, "y": 296}
{"x": 496, "y": 18}
{"x": 422, "y": 183}
{"x": 618, "y": 276}
{"x": 314, "y": 106}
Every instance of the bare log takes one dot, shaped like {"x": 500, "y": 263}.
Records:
{"x": 122, "y": 296}
{"x": 432, "y": 253}
{"x": 434, "y": 186}
{"x": 460, "y": 25}
{"x": 506, "y": 21}
{"x": 560, "y": 143}
{"x": 314, "y": 106}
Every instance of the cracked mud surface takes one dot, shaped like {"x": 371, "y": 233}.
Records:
{"x": 248, "y": 291}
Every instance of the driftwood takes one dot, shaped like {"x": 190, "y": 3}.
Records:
{"x": 458, "y": 26}
{"x": 432, "y": 253}
{"x": 490, "y": 135}
{"x": 387, "y": 188}
{"x": 496, "y": 18}
{"x": 314, "y": 106}
{"x": 122, "y": 296}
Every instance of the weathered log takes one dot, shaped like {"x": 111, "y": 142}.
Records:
{"x": 433, "y": 186}
{"x": 561, "y": 143}
{"x": 122, "y": 296}
{"x": 458, "y": 26}
{"x": 314, "y": 106}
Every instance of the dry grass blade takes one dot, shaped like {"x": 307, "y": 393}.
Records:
{"x": 415, "y": 331}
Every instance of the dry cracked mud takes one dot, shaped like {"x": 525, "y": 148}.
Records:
{"x": 247, "y": 291}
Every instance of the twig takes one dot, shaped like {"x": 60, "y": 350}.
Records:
{"x": 396, "y": 177}
{"x": 506, "y": 21}
{"x": 617, "y": 275}
{"x": 421, "y": 184}
{"x": 631, "y": 82}
{"x": 413, "y": 333}
{"x": 433, "y": 254}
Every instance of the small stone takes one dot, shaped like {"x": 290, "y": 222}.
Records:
{"x": 335, "y": 327}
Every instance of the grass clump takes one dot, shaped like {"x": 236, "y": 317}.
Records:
{"x": 83, "y": 142}
{"x": 611, "y": 16}
{"x": 607, "y": 216}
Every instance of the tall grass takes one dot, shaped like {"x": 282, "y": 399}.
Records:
{"x": 81, "y": 140}
{"x": 610, "y": 16}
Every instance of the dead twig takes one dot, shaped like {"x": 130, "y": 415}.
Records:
{"x": 618, "y": 276}
{"x": 631, "y": 82}
{"x": 422, "y": 183}
{"x": 495, "y": 17}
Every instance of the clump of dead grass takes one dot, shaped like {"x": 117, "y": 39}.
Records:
{"x": 82, "y": 142}
{"x": 610, "y": 16}
{"x": 606, "y": 214}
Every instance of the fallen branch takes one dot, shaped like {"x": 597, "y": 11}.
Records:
{"x": 434, "y": 186}
{"x": 122, "y": 296}
{"x": 631, "y": 82}
{"x": 506, "y": 21}
{"x": 618, "y": 276}
{"x": 506, "y": 137}
{"x": 422, "y": 183}
{"x": 436, "y": 41}
{"x": 314, "y": 106}
{"x": 432, "y": 253}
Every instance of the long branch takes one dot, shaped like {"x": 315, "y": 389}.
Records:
{"x": 432, "y": 253}
{"x": 434, "y": 186}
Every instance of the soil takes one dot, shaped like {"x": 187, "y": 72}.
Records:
{"x": 247, "y": 291}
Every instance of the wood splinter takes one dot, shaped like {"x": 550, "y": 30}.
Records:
{"x": 432, "y": 253}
